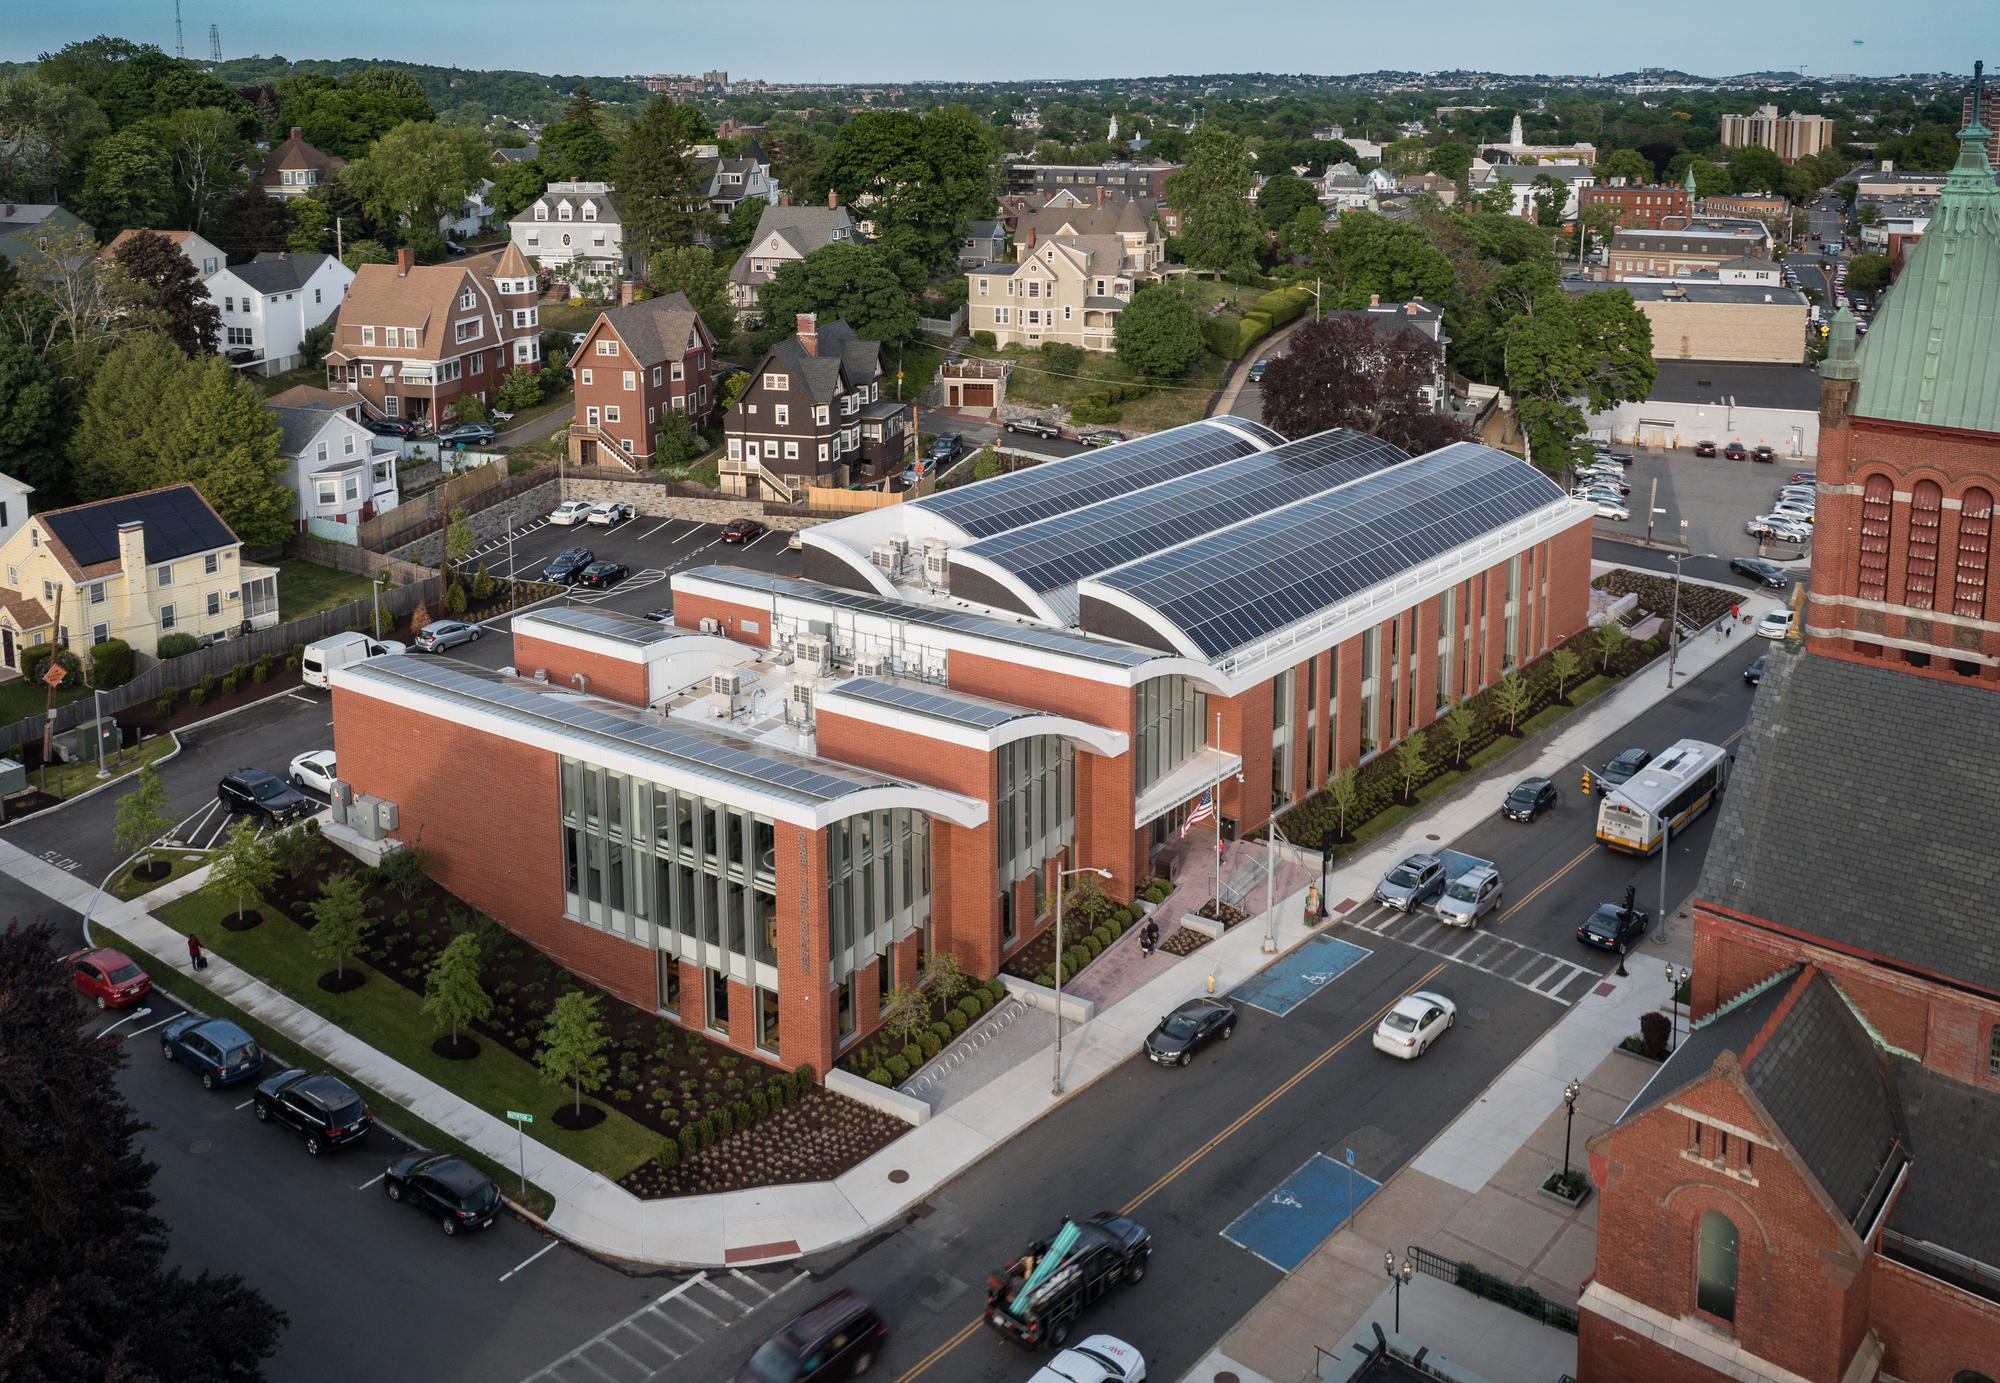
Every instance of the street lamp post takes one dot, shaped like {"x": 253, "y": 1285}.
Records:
{"x": 1060, "y": 876}
{"x": 1674, "y": 623}
{"x": 97, "y": 705}
{"x": 1570, "y": 1092}
{"x": 1673, "y": 1006}
{"x": 1398, "y": 1276}
{"x": 1270, "y": 884}
{"x": 1325, "y": 862}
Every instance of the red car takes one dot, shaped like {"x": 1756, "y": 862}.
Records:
{"x": 1736, "y": 451}
{"x": 742, "y": 531}
{"x": 1704, "y": 448}
{"x": 109, "y": 977}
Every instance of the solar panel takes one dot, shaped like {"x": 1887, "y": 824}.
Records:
{"x": 1056, "y": 487}
{"x": 687, "y": 745}
{"x": 178, "y": 522}
{"x": 608, "y": 624}
{"x": 1061, "y": 551}
{"x": 978, "y": 626}
{"x": 956, "y": 708}
{"x": 1245, "y": 582}
{"x": 1275, "y": 439}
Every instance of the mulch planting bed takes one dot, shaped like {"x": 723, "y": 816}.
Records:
{"x": 677, "y": 1083}
{"x": 1227, "y": 914}
{"x": 1699, "y": 605}
{"x": 28, "y": 803}
{"x": 146, "y": 716}
{"x": 1185, "y": 942}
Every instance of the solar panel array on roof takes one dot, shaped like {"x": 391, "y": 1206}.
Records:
{"x": 1021, "y": 635}
{"x": 691, "y": 745}
{"x": 1243, "y": 583}
{"x": 178, "y": 522}
{"x": 928, "y": 701}
{"x": 609, "y": 624}
{"x": 1062, "y": 550}
{"x": 1276, "y": 439}
{"x": 1056, "y": 487}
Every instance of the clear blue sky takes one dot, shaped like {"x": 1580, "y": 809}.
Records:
{"x": 796, "y": 40}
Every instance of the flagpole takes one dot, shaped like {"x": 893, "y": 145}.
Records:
{"x": 1218, "y": 816}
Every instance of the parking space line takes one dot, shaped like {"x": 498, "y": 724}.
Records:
{"x": 655, "y": 528}
{"x": 758, "y": 539}
{"x": 596, "y": 1370}
{"x": 633, "y": 1326}
{"x": 678, "y": 1325}
{"x": 366, "y": 1184}
{"x": 529, "y": 1259}
{"x": 150, "y": 1026}
{"x": 695, "y": 1305}
{"x": 752, "y": 1283}
{"x": 247, "y": 1103}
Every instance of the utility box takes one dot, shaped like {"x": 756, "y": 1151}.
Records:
{"x": 13, "y": 777}
{"x": 342, "y": 801}
{"x": 82, "y": 743}
{"x": 385, "y": 815}
{"x": 365, "y": 817}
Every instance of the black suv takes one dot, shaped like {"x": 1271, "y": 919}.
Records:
{"x": 322, "y": 1108}
{"x": 1625, "y": 765}
{"x": 445, "y": 1186}
{"x": 568, "y": 564}
{"x": 836, "y": 1339}
{"x": 254, "y": 790}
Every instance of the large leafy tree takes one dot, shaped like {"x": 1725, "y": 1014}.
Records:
{"x": 205, "y": 148}
{"x": 1592, "y": 351}
{"x": 31, "y": 420}
{"x": 250, "y": 223}
{"x": 1369, "y": 254}
{"x": 516, "y": 185}
{"x": 127, "y": 182}
{"x": 47, "y": 126}
{"x": 1628, "y": 164}
{"x": 74, "y": 305}
{"x": 418, "y": 174}
{"x": 577, "y": 148}
{"x": 1158, "y": 334}
{"x": 1220, "y": 230}
{"x": 660, "y": 181}
{"x": 1362, "y": 372}
{"x": 1451, "y": 160}
{"x": 188, "y": 316}
{"x": 870, "y": 287}
{"x": 929, "y": 176}
{"x": 83, "y": 1265}
{"x": 1754, "y": 169}
{"x": 345, "y": 118}
{"x": 1282, "y": 197}
{"x": 703, "y": 276}
{"x": 149, "y": 85}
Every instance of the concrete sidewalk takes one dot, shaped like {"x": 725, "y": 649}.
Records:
{"x": 779, "y": 1222}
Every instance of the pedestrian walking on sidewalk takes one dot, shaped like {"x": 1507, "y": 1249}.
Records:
{"x": 1149, "y": 939}
{"x": 195, "y": 956}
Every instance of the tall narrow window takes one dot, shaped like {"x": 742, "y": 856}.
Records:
{"x": 1715, "y": 1283}
{"x": 1926, "y": 513}
{"x": 718, "y": 1005}
{"x": 1877, "y": 505}
{"x": 1975, "y": 536}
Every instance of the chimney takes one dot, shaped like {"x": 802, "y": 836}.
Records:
{"x": 625, "y": 290}
{"x": 1410, "y": 309}
{"x": 809, "y": 332}
{"x": 296, "y": 132}
{"x": 1374, "y": 299}
{"x": 406, "y": 260}
{"x": 784, "y": 201}
{"x": 1031, "y": 237}
{"x": 832, "y": 199}
{"x": 132, "y": 561}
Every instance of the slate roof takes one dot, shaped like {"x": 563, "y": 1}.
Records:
{"x": 1892, "y": 854}
{"x": 1830, "y": 1089}
{"x": 822, "y": 374}
{"x": 657, "y": 329}
{"x": 293, "y": 153}
{"x": 278, "y": 273}
{"x": 1954, "y": 1133}
{"x": 1690, "y": 1062}
{"x": 521, "y": 155}
{"x": 803, "y": 230}
{"x": 179, "y": 523}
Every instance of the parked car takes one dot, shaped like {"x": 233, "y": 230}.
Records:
{"x": 1412, "y": 883}
{"x": 1776, "y": 624}
{"x": 568, "y": 565}
{"x": 319, "y": 1106}
{"x": 1612, "y": 509}
{"x": 254, "y": 790}
{"x": 1612, "y": 926}
{"x": 742, "y": 531}
{"x": 1797, "y": 513}
{"x": 1736, "y": 451}
{"x": 571, "y": 511}
{"x": 661, "y": 616}
{"x": 1624, "y": 458}
{"x": 467, "y": 434}
{"x": 314, "y": 769}
{"x": 1768, "y": 455}
{"x": 455, "y": 1191}
{"x": 1099, "y": 1359}
{"x": 1188, "y": 1028}
{"x": 1754, "y": 674}
{"x": 605, "y": 515}
{"x": 1529, "y": 799}
{"x": 1034, "y": 427}
{"x": 1777, "y": 526}
{"x": 322, "y": 656}
{"x": 1257, "y": 372}
{"x": 1628, "y": 762}
{"x": 794, "y": 541}
{"x": 1471, "y": 896}
{"x": 1760, "y": 571}
{"x": 1102, "y": 439}
{"x": 216, "y": 1047}
{"x": 392, "y": 427}
{"x": 1409, "y": 1028}
{"x": 1704, "y": 448}
{"x": 441, "y": 634}
{"x": 838, "y": 1338}
{"x": 602, "y": 576}
{"x": 108, "y": 978}
{"x": 945, "y": 447}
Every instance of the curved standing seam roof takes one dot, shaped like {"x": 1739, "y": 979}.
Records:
{"x": 955, "y": 708}
{"x": 1057, "y": 487}
{"x": 1236, "y": 586}
{"x": 1061, "y": 551}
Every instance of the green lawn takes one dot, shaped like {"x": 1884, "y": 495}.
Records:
{"x": 19, "y": 700}
{"x": 67, "y": 780}
{"x": 273, "y": 385}
{"x": 390, "y": 1019}
{"x": 564, "y": 397}
{"x": 185, "y": 991}
{"x": 306, "y": 588}
{"x": 1168, "y": 405}
{"x": 563, "y": 317}
{"x": 124, "y": 886}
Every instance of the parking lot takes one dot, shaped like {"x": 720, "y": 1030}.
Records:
{"x": 1714, "y": 495}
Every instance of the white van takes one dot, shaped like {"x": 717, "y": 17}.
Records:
{"x": 322, "y": 656}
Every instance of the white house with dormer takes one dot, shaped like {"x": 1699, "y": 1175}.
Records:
{"x": 342, "y": 473}
{"x": 574, "y": 220}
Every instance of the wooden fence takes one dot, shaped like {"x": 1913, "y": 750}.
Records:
{"x": 218, "y": 658}
{"x": 417, "y": 515}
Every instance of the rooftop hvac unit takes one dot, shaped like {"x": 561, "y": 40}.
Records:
{"x": 811, "y": 650}
{"x": 727, "y": 682}
{"x": 711, "y": 626}
{"x": 884, "y": 557}
{"x": 937, "y": 568}
{"x": 802, "y": 700}
{"x": 870, "y": 664}
{"x": 900, "y": 542}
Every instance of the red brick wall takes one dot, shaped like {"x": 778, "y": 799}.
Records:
{"x": 1929, "y": 1331}
{"x": 1246, "y": 730}
{"x": 1569, "y": 582}
{"x": 807, "y": 1010}
{"x": 1724, "y": 966}
{"x": 1348, "y": 730}
{"x": 691, "y": 610}
{"x": 1615, "y": 1355}
{"x": 603, "y": 675}
{"x": 1427, "y": 663}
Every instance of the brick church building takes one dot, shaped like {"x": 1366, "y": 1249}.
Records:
{"x": 1807, "y": 1190}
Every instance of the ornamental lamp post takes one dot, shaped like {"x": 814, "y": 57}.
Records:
{"x": 1570, "y": 1092}
{"x": 1398, "y": 1276}
{"x": 1673, "y": 1006}
{"x": 1060, "y": 876}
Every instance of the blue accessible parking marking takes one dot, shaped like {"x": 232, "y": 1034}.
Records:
{"x": 1292, "y": 1220}
{"x": 1299, "y": 975}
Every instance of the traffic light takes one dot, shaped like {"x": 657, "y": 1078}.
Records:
{"x": 1326, "y": 840}
{"x": 1586, "y": 782}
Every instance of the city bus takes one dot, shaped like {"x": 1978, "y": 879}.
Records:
{"x": 1673, "y": 789}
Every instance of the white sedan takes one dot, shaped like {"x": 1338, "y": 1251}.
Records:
{"x": 1609, "y": 508}
{"x": 314, "y": 770}
{"x": 605, "y": 515}
{"x": 1414, "y": 1023}
{"x": 570, "y": 511}
{"x": 1775, "y": 624}
{"x": 1099, "y": 1359}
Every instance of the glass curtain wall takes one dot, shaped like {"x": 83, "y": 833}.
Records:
{"x": 1035, "y": 816}
{"x": 1371, "y": 644}
{"x": 1510, "y": 629}
{"x": 1281, "y": 737}
{"x": 1447, "y": 628}
{"x": 878, "y": 870}
{"x": 1172, "y": 715}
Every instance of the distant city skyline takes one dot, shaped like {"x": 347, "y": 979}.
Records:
{"x": 789, "y": 42}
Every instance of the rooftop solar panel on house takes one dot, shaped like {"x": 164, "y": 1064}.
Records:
{"x": 178, "y": 524}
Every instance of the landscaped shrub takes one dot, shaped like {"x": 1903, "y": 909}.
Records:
{"x": 690, "y": 1140}
{"x": 913, "y": 1054}
{"x": 228, "y": 685}
{"x": 969, "y": 1006}
{"x": 207, "y": 682}
{"x": 111, "y": 663}
{"x": 941, "y": 1031}
{"x": 670, "y": 1153}
{"x": 930, "y": 1045}
{"x": 898, "y": 1068}
{"x": 1087, "y": 414}
{"x": 37, "y": 663}
{"x": 291, "y": 662}
{"x": 1220, "y": 335}
{"x": 803, "y": 1079}
{"x": 454, "y": 599}
{"x": 1156, "y": 895}
{"x": 1102, "y": 936}
{"x": 985, "y": 338}
{"x": 260, "y": 672}
{"x": 957, "y": 1020}
{"x": 175, "y": 645}
{"x": 197, "y": 696}
{"x": 1094, "y": 945}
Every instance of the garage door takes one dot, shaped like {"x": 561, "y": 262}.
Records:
{"x": 978, "y": 396}
{"x": 1653, "y": 433}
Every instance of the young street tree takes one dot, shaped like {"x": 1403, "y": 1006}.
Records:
{"x": 188, "y": 315}
{"x": 1362, "y": 372}
{"x": 1345, "y": 788}
{"x": 1511, "y": 696}
{"x": 144, "y": 814}
{"x": 1564, "y": 664}
{"x": 1458, "y": 723}
{"x": 451, "y": 988}
{"x": 1159, "y": 335}
{"x": 1221, "y": 229}
{"x": 1611, "y": 641}
{"x": 573, "y": 1043}
{"x": 1412, "y": 762}
{"x": 340, "y": 920}
{"x": 906, "y": 1013}
{"x": 243, "y": 867}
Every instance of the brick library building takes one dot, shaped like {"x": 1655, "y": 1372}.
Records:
{"x": 1805, "y": 1190}
{"x": 760, "y": 816}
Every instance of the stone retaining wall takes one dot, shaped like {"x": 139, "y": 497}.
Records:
{"x": 497, "y": 522}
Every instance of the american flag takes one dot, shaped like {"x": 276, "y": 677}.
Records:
{"x": 1204, "y": 810}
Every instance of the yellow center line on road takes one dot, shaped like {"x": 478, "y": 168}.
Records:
{"x": 1204, "y": 1150}
{"x": 1523, "y": 902}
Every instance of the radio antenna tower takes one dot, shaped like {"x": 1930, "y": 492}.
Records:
{"x": 180, "y": 49}
{"x": 214, "y": 44}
